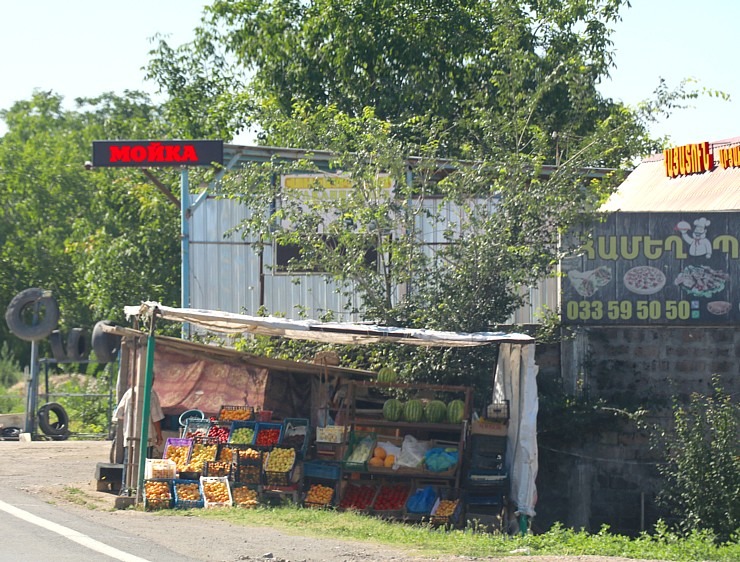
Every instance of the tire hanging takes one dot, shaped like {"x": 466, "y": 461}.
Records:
{"x": 36, "y": 305}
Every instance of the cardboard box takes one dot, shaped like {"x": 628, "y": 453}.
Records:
{"x": 483, "y": 426}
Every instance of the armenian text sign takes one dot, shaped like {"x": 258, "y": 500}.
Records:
{"x": 656, "y": 268}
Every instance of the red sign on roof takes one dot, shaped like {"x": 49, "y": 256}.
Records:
{"x": 151, "y": 153}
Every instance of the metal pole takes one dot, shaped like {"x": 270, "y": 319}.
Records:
{"x": 185, "y": 244}
{"x": 145, "y": 409}
{"x": 33, "y": 387}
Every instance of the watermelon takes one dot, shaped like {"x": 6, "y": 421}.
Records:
{"x": 455, "y": 411}
{"x": 413, "y": 411}
{"x": 387, "y": 375}
{"x": 392, "y": 409}
{"x": 435, "y": 411}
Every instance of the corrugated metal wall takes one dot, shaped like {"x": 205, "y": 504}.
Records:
{"x": 225, "y": 271}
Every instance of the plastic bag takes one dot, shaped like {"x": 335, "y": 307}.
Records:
{"x": 439, "y": 459}
{"x": 412, "y": 452}
{"x": 422, "y": 501}
{"x": 389, "y": 448}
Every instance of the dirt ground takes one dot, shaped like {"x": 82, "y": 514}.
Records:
{"x": 63, "y": 473}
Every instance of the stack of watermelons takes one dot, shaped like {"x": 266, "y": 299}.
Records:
{"x": 435, "y": 411}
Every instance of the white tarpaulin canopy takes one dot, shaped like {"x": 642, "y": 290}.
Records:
{"x": 515, "y": 375}
{"x": 326, "y": 332}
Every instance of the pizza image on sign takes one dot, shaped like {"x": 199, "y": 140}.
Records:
{"x": 644, "y": 280}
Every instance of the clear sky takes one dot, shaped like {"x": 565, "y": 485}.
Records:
{"x": 86, "y": 47}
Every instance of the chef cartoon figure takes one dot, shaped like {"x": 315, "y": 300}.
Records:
{"x": 699, "y": 244}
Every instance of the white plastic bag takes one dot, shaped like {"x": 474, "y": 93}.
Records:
{"x": 412, "y": 452}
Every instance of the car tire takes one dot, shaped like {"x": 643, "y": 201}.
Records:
{"x": 57, "y": 430}
{"x": 105, "y": 345}
{"x": 77, "y": 346}
{"x": 24, "y": 302}
{"x": 57, "y": 346}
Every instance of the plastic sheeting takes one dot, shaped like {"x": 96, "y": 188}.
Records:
{"x": 327, "y": 332}
{"x": 516, "y": 381}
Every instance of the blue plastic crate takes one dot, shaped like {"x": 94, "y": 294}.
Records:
{"x": 241, "y": 424}
{"x": 293, "y": 430}
{"x": 261, "y": 426}
{"x": 187, "y": 504}
{"x": 322, "y": 469}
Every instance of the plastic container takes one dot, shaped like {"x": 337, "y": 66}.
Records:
{"x": 156, "y": 469}
{"x": 187, "y": 503}
{"x": 158, "y": 493}
{"x": 248, "y": 463}
{"x": 235, "y": 413}
{"x": 218, "y": 468}
{"x": 296, "y": 434}
{"x": 237, "y": 431}
{"x": 178, "y": 450}
{"x": 319, "y": 495}
{"x": 190, "y": 414}
{"x": 352, "y": 461}
{"x": 203, "y": 449}
{"x": 246, "y": 496}
{"x": 282, "y": 477}
{"x": 447, "y": 508}
{"x": 212, "y": 485}
{"x": 322, "y": 469}
{"x": 196, "y": 428}
{"x": 267, "y": 434}
{"x": 263, "y": 415}
{"x": 390, "y": 500}
{"x": 330, "y": 434}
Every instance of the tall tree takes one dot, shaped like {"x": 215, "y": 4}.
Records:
{"x": 98, "y": 240}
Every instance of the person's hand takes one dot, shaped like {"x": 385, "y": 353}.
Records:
{"x": 159, "y": 439}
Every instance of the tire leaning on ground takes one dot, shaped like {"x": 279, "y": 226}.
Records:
{"x": 21, "y": 309}
{"x": 58, "y": 430}
{"x": 105, "y": 345}
{"x": 77, "y": 347}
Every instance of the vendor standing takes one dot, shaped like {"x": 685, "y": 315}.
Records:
{"x": 123, "y": 413}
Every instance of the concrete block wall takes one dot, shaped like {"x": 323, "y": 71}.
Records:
{"x": 610, "y": 477}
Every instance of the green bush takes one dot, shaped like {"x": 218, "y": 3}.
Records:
{"x": 702, "y": 468}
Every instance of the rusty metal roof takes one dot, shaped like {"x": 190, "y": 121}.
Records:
{"x": 648, "y": 188}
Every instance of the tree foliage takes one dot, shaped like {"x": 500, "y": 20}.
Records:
{"x": 97, "y": 240}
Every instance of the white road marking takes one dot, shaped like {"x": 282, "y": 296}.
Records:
{"x": 70, "y": 534}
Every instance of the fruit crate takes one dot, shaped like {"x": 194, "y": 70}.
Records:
{"x": 235, "y": 413}
{"x": 238, "y": 431}
{"x": 390, "y": 500}
{"x": 353, "y": 462}
{"x": 225, "y": 452}
{"x": 195, "y": 427}
{"x": 248, "y": 462}
{"x": 220, "y": 431}
{"x": 263, "y": 415}
{"x": 330, "y": 434}
{"x": 218, "y": 468}
{"x": 358, "y": 497}
{"x": 203, "y": 449}
{"x": 282, "y": 477}
{"x": 246, "y": 496}
{"x": 322, "y": 469}
{"x": 319, "y": 495}
{"x": 447, "y": 508}
{"x": 216, "y": 485}
{"x": 156, "y": 469}
{"x": 267, "y": 434}
{"x": 187, "y": 503}
{"x": 178, "y": 450}
{"x": 158, "y": 493}
{"x": 296, "y": 434}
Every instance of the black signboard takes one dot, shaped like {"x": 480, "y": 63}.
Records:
{"x": 155, "y": 154}
{"x": 656, "y": 269}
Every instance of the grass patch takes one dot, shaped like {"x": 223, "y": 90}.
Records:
{"x": 431, "y": 541}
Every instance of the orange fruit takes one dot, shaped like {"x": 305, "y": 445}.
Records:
{"x": 389, "y": 460}
{"x": 375, "y": 461}
{"x": 379, "y": 452}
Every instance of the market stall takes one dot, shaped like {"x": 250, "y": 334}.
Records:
{"x": 352, "y": 440}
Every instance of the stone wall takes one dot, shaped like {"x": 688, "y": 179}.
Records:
{"x": 603, "y": 472}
